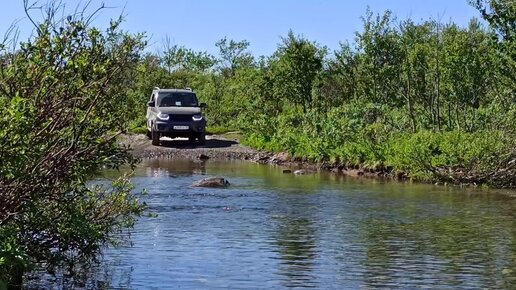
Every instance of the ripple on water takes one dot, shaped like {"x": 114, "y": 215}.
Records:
{"x": 270, "y": 230}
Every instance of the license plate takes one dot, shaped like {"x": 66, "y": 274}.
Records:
{"x": 181, "y": 127}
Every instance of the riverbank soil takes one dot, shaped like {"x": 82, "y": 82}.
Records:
{"x": 228, "y": 147}
{"x": 216, "y": 147}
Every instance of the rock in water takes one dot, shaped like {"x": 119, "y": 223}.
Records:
{"x": 300, "y": 172}
{"x": 203, "y": 157}
{"x": 212, "y": 182}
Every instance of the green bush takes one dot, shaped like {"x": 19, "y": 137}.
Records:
{"x": 430, "y": 155}
{"x": 63, "y": 101}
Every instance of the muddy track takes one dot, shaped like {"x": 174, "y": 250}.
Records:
{"x": 220, "y": 148}
{"x": 216, "y": 147}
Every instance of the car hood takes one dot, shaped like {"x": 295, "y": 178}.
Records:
{"x": 179, "y": 110}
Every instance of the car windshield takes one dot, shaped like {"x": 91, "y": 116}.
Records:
{"x": 177, "y": 99}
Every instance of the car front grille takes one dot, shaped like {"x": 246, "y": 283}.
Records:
{"x": 180, "y": 118}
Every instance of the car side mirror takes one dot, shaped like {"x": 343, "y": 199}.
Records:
{"x": 203, "y": 105}
{"x": 151, "y": 104}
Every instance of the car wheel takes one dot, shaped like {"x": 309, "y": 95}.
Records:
{"x": 202, "y": 138}
{"x": 155, "y": 137}
{"x": 148, "y": 134}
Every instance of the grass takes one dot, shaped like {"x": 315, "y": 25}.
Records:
{"x": 233, "y": 136}
{"x": 137, "y": 130}
{"x": 217, "y": 130}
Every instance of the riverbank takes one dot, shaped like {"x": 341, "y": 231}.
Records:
{"x": 250, "y": 234}
{"x": 220, "y": 147}
{"x": 228, "y": 147}
{"x": 216, "y": 147}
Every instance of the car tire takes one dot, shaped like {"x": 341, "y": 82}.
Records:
{"x": 148, "y": 134}
{"x": 155, "y": 137}
{"x": 202, "y": 138}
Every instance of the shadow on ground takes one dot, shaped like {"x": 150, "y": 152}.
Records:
{"x": 210, "y": 143}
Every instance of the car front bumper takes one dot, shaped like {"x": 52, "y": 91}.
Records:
{"x": 180, "y": 127}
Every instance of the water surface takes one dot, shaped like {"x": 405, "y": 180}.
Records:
{"x": 280, "y": 231}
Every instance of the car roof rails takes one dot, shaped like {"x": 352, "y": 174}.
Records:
{"x": 188, "y": 89}
{"x": 156, "y": 88}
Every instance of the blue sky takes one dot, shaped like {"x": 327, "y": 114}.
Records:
{"x": 198, "y": 24}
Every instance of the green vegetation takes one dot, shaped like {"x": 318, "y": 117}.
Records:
{"x": 434, "y": 101}
{"x": 62, "y": 105}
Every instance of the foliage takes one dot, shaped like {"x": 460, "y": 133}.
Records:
{"x": 176, "y": 57}
{"x": 233, "y": 55}
{"x": 425, "y": 99}
{"x": 501, "y": 15}
{"x": 453, "y": 156}
{"x": 63, "y": 103}
{"x": 392, "y": 99}
{"x": 294, "y": 68}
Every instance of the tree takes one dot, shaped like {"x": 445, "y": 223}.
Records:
{"x": 63, "y": 102}
{"x": 337, "y": 84}
{"x": 294, "y": 68}
{"x": 176, "y": 57}
{"x": 500, "y": 14}
{"x": 414, "y": 66}
{"x": 233, "y": 55}
{"x": 380, "y": 59}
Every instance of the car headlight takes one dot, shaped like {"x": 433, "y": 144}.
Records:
{"x": 163, "y": 117}
{"x": 197, "y": 117}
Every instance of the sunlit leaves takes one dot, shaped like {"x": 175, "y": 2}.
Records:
{"x": 63, "y": 100}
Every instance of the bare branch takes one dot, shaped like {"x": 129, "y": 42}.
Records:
{"x": 27, "y": 7}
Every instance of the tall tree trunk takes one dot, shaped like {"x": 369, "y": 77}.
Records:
{"x": 438, "y": 85}
{"x": 408, "y": 96}
{"x": 457, "y": 116}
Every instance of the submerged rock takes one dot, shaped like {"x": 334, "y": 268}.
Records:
{"x": 203, "y": 157}
{"x": 212, "y": 182}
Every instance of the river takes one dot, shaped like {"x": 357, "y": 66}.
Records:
{"x": 271, "y": 230}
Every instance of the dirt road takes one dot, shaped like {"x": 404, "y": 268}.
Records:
{"x": 223, "y": 148}
{"x": 216, "y": 147}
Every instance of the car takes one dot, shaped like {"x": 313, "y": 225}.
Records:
{"x": 175, "y": 113}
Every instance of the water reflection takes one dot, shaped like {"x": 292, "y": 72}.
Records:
{"x": 102, "y": 275}
{"x": 275, "y": 231}
{"x": 453, "y": 246}
{"x": 295, "y": 238}
{"x": 155, "y": 167}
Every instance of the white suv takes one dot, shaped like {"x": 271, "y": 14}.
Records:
{"x": 175, "y": 113}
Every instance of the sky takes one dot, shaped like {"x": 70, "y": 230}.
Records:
{"x": 198, "y": 24}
